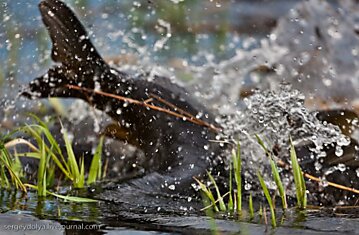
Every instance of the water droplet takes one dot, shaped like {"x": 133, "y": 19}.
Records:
{"x": 324, "y": 182}
{"x": 247, "y": 186}
{"x": 317, "y": 166}
{"x": 338, "y": 151}
{"x": 341, "y": 167}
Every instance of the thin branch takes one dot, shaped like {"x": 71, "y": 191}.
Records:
{"x": 145, "y": 104}
{"x": 265, "y": 216}
{"x": 183, "y": 112}
{"x": 339, "y": 186}
{"x": 346, "y": 207}
{"x": 308, "y": 176}
{"x": 212, "y": 204}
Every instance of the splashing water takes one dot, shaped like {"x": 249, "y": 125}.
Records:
{"x": 275, "y": 116}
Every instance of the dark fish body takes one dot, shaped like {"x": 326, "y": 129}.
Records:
{"x": 177, "y": 149}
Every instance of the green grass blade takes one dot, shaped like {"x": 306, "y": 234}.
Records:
{"x": 237, "y": 167}
{"x": 50, "y": 137}
{"x": 95, "y": 172}
{"x": 222, "y": 206}
{"x": 37, "y": 135}
{"x": 41, "y": 173}
{"x": 72, "y": 198}
{"x": 279, "y": 184}
{"x": 50, "y": 173}
{"x": 17, "y": 166}
{"x": 251, "y": 208}
{"x": 298, "y": 178}
{"x": 269, "y": 199}
{"x": 304, "y": 189}
{"x": 207, "y": 192}
{"x": 260, "y": 211}
{"x": 45, "y": 129}
{"x": 6, "y": 164}
{"x": 66, "y": 198}
{"x": 81, "y": 182}
{"x": 58, "y": 106}
{"x": 230, "y": 200}
{"x": 4, "y": 180}
{"x": 275, "y": 173}
{"x": 35, "y": 155}
{"x": 261, "y": 143}
{"x": 71, "y": 159}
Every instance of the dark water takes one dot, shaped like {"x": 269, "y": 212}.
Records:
{"x": 172, "y": 218}
{"x": 118, "y": 28}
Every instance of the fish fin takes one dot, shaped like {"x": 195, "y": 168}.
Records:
{"x": 51, "y": 84}
{"x": 71, "y": 45}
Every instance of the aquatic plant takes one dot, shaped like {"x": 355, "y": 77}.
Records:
{"x": 64, "y": 197}
{"x": 41, "y": 172}
{"x": 50, "y": 157}
{"x": 10, "y": 170}
{"x": 208, "y": 195}
{"x": 231, "y": 205}
{"x": 222, "y": 206}
{"x": 268, "y": 197}
{"x": 275, "y": 173}
{"x": 250, "y": 207}
{"x": 298, "y": 178}
{"x": 78, "y": 177}
{"x": 95, "y": 172}
{"x": 236, "y": 167}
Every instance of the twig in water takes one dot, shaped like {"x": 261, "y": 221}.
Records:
{"x": 308, "y": 176}
{"x": 339, "y": 186}
{"x": 183, "y": 112}
{"x": 147, "y": 105}
{"x": 219, "y": 199}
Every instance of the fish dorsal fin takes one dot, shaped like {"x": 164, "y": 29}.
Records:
{"x": 71, "y": 45}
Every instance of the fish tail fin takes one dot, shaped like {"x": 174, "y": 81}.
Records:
{"x": 71, "y": 45}
{"x": 79, "y": 61}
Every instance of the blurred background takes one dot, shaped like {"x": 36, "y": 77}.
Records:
{"x": 219, "y": 49}
{"x": 166, "y": 29}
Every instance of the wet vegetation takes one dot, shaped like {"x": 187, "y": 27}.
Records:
{"x": 268, "y": 149}
{"x": 51, "y": 159}
{"x": 235, "y": 207}
{"x": 51, "y": 163}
